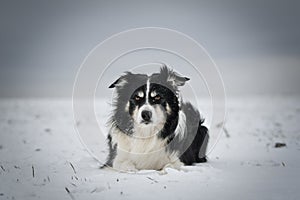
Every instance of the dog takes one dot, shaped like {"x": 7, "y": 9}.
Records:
{"x": 151, "y": 128}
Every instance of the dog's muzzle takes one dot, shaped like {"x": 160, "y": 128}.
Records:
{"x": 146, "y": 116}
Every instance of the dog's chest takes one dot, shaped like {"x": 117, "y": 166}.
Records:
{"x": 143, "y": 153}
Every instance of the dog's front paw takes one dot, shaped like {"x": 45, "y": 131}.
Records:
{"x": 125, "y": 166}
{"x": 175, "y": 165}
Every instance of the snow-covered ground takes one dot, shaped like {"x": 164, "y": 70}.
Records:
{"x": 41, "y": 156}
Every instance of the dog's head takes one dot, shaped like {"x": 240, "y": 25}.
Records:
{"x": 145, "y": 105}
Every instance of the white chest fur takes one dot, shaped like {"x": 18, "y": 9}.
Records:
{"x": 136, "y": 153}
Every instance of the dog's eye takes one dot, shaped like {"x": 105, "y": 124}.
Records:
{"x": 137, "y": 98}
{"x": 157, "y": 97}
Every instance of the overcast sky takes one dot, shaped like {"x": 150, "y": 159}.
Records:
{"x": 255, "y": 43}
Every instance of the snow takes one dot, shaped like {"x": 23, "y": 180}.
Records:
{"x": 41, "y": 156}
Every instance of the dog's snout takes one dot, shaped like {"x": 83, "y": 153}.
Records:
{"x": 146, "y": 115}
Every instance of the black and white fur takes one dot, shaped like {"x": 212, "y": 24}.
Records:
{"x": 151, "y": 128}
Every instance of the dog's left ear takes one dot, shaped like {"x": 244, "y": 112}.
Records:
{"x": 172, "y": 77}
{"x": 177, "y": 80}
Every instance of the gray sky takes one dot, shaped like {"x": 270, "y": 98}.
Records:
{"x": 255, "y": 43}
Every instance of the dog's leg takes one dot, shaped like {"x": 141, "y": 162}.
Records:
{"x": 174, "y": 165}
{"x": 202, "y": 152}
{"x": 196, "y": 153}
{"x": 124, "y": 165}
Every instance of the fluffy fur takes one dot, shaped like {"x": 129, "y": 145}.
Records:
{"x": 151, "y": 128}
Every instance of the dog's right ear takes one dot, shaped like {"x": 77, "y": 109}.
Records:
{"x": 120, "y": 81}
{"x": 113, "y": 85}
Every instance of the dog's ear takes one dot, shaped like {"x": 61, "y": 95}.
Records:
{"x": 172, "y": 77}
{"x": 114, "y": 83}
{"x": 118, "y": 83}
{"x": 121, "y": 81}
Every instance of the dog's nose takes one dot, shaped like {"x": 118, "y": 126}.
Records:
{"x": 146, "y": 115}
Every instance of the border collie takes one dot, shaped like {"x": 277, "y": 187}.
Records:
{"x": 151, "y": 128}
